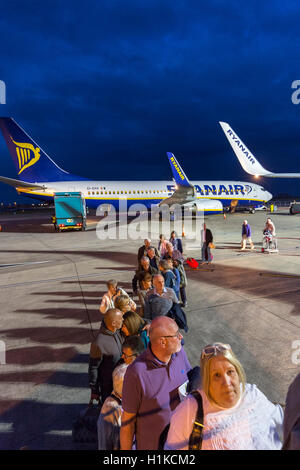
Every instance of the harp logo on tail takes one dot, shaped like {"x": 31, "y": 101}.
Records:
{"x": 27, "y": 155}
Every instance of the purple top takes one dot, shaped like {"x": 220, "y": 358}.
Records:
{"x": 150, "y": 390}
{"x": 246, "y": 230}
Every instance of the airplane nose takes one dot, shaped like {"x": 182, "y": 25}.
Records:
{"x": 269, "y": 196}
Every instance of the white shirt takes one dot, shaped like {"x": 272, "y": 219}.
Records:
{"x": 107, "y": 302}
{"x": 271, "y": 227}
{"x": 253, "y": 423}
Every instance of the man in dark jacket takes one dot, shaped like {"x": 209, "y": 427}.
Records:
{"x": 207, "y": 238}
{"x": 154, "y": 259}
{"x": 105, "y": 352}
{"x": 143, "y": 249}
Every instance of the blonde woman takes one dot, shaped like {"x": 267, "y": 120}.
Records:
{"x": 236, "y": 415}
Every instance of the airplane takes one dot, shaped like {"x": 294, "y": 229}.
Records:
{"x": 248, "y": 162}
{"x": 40, "y": 177}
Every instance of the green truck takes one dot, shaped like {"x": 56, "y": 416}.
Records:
{"x": 70, "y": 211}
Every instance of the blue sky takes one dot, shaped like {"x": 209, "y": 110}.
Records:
{"x": 106, "y": 88}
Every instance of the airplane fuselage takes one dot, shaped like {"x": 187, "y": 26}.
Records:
{"x": 151, "y": 192}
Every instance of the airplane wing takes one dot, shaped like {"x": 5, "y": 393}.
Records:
{"x": 185, "y": 191}
{"x": 248, "y": 162}
{"x": 19, "y": 183}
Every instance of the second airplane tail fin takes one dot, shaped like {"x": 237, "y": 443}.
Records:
{"x": 245, "y": 157}
{"x": 32, "y": 163}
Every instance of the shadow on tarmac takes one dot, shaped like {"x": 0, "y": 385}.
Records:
{"x": 40, "y": 425}
{"x": 36, "y": 421}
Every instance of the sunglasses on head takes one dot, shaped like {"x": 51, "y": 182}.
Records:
{"x": 214, "y": 350}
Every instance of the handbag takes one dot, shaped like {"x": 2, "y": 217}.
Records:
{"x": 85, "y": 427}
{"x": 211, "y": 246}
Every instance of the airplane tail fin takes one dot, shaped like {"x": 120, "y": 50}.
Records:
{"x": 245, "y": 157}
{"x": 178, "y": 173}
{"x": 31, "y": 162}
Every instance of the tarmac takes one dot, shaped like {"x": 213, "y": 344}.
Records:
{"x": 51, "y": 285}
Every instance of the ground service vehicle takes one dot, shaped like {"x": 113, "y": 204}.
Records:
{"x": 70, "y": 211}
{"x": 295, "y": 208}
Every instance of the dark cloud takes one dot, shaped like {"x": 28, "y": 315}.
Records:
{"x": 106, "y": 88}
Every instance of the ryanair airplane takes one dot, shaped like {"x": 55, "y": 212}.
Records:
{"x": 40, "y": 177}
{"x": 248, "y": 162}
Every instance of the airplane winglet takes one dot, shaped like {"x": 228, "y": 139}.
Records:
{"x": 179, "y": 176}
{"x": 248, "y": 162}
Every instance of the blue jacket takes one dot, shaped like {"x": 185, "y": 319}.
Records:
{"x": 177, "y": 244}
{"x": 246, "y": 230}
{"x": 177, "y": 281}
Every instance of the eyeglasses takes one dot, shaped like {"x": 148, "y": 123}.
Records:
{"x": 127, "y": 356}
{"x": 210, "y": 351}
{"x": 177, "y": 334}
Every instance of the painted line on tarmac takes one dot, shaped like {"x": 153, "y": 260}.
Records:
{"x": 199, "y": 269}
{"x": 43, "y": 281}
{"x": 290, "y": 276}
{"x": 22, "y": 264}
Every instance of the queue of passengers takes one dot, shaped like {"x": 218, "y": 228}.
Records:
{"x": 151, "y": 396}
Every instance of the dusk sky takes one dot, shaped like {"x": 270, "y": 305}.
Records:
{"x": 107, "y": 87}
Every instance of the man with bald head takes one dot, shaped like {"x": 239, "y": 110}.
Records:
{"x": 150, "y": 389}
{"x": 105, "y": 352}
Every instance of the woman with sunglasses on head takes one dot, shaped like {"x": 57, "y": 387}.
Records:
{"x": 235, "y": 415}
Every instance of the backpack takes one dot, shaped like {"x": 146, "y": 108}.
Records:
{"x": 195, "y": 441}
